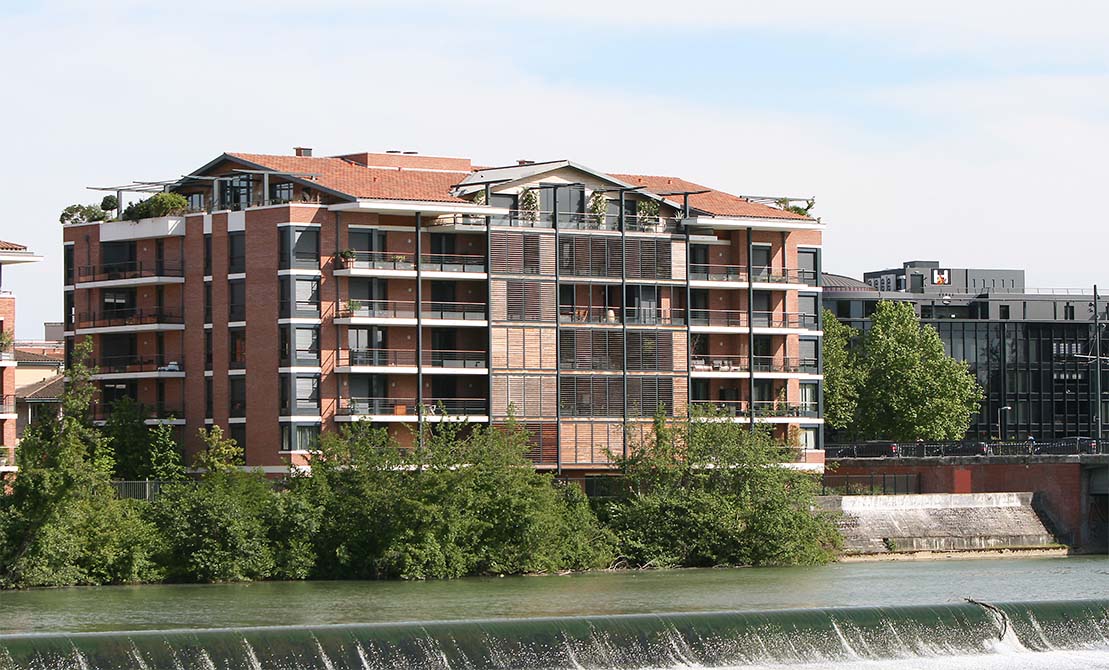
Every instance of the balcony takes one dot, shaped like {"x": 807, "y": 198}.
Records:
{"x": 405, "y": 409}
{"x": 610, "y": 316}
{"x": 585, "y": 221}
{"x": 737, "y": 318}
{"x": 737, "y": 274}
{"x": 454, "y": 263}
{"x": 131, "y": 273}
{"x": 767, "y": 411}
{"x": 7, "y": 407}
{"x": 399, "y": 312}
{"x": 403, "y": 361}
{"x": 366, "y": 263}
{"x": 135, "y": 366}
{"x": 152, "y": 413}
{"x": 461, "y": 313}
{"x": 130, "y": 319}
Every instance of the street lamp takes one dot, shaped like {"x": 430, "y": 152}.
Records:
{"x": 1001, "y": 426}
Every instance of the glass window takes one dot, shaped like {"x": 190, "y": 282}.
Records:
{"x": 306, "y": 248}
{"x": 307, "y": 392}
{"x": 307, "y": 343}
{"x": 280, "y": 193}
{"x": 207, "y": 397}
{"x": 237, "y": 432}
{"x": 236, "y": 308}
{"x": 236, "y": 250}
{"x": 238, "y": 348}
{"x": 299, "y": 437}
{"x": 208, "y": 352}
{"x": 308, "y": 296}
{"x": 237, "y": 386}
{"x": 196, "y": 202}
{"x": 1003, "y": 311}
{"x": 208, "y": 254}
{"x": 806, "y": 265}
{"x": 235, "y": 192}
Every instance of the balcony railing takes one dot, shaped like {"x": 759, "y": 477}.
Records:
{"x": 761, "y": 408}
{"x": 7, "y": 404}
{"x": 130, "y": 270}
{"x": 764, "y": 274}
{"x": 102, "y": 411}
{"x": 378, "y": 357}
{"x": 380, "y": 260}
{"x": 407, "y": 406}
{"x": 717, "y": 272}
{"x": 739, "y": 363}
{"x": 379, "y": 309}
{"x": 774, "y": 364}
{"x": 738, "y": 318}
{"x": 453, "y": 310}
{"x": 611, "y": 315}
{"x": 585, "y": 221}
{"x": 452, "y": 262}
{"x": 783, "y": 276}
{"x": 129, "y": 316}
{"x": 452, "y": 358}
{"x": 135, "y": 363}
{"x": 7, "y": 355}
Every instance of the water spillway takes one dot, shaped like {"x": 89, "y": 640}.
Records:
{"x": 708, "y": 640}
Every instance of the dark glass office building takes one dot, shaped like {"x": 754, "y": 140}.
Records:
{"x": 1033, "y": 351}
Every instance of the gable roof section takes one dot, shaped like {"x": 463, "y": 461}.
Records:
{"x": 31, "y": 357}
{"x": 11, "y": 246}
{"x": 46, "y": 390}
{"x": 356, "y": 181}
{"x": 714, "y": 203}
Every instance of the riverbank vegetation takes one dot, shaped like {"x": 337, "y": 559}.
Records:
{"x": 704, "y": 492}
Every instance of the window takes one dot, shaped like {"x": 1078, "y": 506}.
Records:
{"x": 809, "y": 398}
{"x": 208, "y": 352}
{"x": 237, "y": 348}
{"x": 1068, "y": 312}
{"x": 236, "y": 307}
{"x": 299, "y": 437}
{"x": 196, "y": 202}
{"x": 300, "y": 248}
{"x": 1003, "y": 311}
{"x": 306, "y": 297}
{"x": 308, "y": 392}
{"x": 236, "y": 251}
{"x": 208, "y": 397}
{"x": 237, "y": 432}
{"x": 207, "y": 254}
{"x": 235, "y": 192}
{"x": 807, "y": 265}
{"x": 237, "y": 386}
{"x": 208, "y": 302}
{"x": 280, "y": 193}
{"x": 67, "y": 263}
{"x": 843, "y": 309}
{"x": 808, "y": 359}
{"x": 307, "y": 344}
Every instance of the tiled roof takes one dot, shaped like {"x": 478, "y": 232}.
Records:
{"x": 11, "y": 246}
{"x": 27, "y": 356}
{"x": 365, "y": 182}
{"x": 716, "y": 203}
{"x": 47, "y": 389}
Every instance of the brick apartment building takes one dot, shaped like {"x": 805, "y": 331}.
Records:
{"x": 10, "y": 254}
{"x": 301, "y": 292}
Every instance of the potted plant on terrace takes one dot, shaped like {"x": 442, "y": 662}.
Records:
{"x": 598, "y": 209}
{"x": 346, "y": 257}
{"x": 529, "y": 206}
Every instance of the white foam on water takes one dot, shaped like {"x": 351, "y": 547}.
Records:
{"x": 137, "y": 655}
{"x": 843, "y": 641}
{"x": 207, "y": 658}
{"x": 362, "y": 655}
{"x": 251, "y": 657}
{"x": 1047, "y": 660}
{"x": 81, "y": 662}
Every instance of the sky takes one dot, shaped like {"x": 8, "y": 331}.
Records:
{"x": 972, "y": 133}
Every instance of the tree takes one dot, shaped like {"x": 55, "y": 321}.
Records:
{"x": 221, "y": 454}
{"x": 911, "y": 388}
{"x": 61, "y": 524}
{"x": 161, "y": 204}
{"x": 82, "y": 214}
{"x": 163, "y": 455}
{"x": 109, "y": 203}
{"x": 842, "y": 374}
{"x": 129, "y": 438}
{"x": 706, "y": 491}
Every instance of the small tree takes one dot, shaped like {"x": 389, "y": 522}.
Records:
{"x": 911, "y": 388}
{"x": 598, "y": 207}
{"x": 163, "y": 460}
{"x": 6, "y": 340}
{"x": 129, "y": 438}
{"x": 109, "y": 203}
{"x": 529, "y": 205}
{"x": 82, "y": 214}
{"x": 842, "y": 374}
{"x": 221, "y": 454}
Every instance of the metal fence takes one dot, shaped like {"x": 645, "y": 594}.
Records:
{"x": 874, "y": 484}
{"x": 144, "y": 489}
{"x": 888, "y": 449}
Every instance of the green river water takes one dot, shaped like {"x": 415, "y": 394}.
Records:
{"x": 851, "y": 615}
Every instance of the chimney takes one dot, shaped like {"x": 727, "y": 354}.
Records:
{"x": 302, "y": 151}
{"x": 523, "y": 161}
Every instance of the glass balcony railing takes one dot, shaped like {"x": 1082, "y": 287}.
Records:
{"x": 129, "y": 316}
{"x": 130, "y": 270}
{"x": 138, "y": 363}
{"x": 407, "y": 407}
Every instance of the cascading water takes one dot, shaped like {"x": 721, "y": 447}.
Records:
{"x": 814, "y": 637}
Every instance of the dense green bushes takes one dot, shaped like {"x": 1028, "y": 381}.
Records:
{"x": 705, "y": 492}
{"x": 161, "y": 204}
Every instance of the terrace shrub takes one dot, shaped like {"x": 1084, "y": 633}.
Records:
{"x": 161, "y": 204}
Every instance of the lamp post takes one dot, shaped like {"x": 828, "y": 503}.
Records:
{"x": 1001, "y": 426}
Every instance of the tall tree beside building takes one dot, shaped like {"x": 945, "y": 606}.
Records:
{"x": 842, "y": 374}
{"x": 910, "y": 387}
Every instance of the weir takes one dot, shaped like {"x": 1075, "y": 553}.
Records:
{"x": 718, "y": 639}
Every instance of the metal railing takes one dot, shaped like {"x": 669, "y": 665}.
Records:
{"x": 873, "y": 484}
{"x": 454, "y": 358}
{"x": 611, "y": 315}
{"x": 379, "y": 309}
{"x": 453, "y": 310}
{"x": 878, "y": 449}
{"x": 407, "y": 406}
{"x": 7, "y": 404}
{"x": 585, "y": 221}
{"x": 771, "y": 275}
{"x": 761, "y": 408}
{"x": 763, "y": 274}
{"x": 136, "y": 363}
{"x": 739, "y": 363}
{"x": 130, "y": 270}
{"x": 103, "y": 410}
{"x": 453, "y": 262}
{"x": 380, "y": 260}
{"x": 717, "y": 272}
{"x": 128, "y": 316}
{"x": 146, "y": 489}
{"x": 378, "y": 357}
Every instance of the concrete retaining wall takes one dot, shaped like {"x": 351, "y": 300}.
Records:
{"x": 938, "y": 522}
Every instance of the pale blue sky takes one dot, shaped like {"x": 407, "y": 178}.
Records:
{"x": 971, "y": 133}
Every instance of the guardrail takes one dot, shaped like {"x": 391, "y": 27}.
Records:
{"x": 136, "y": 363}
{"x": 130, "y": 270}
{"x": 890, "y": 449}
{"x": 128, "y": 317}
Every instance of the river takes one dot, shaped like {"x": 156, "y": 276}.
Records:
{"x": 910, "y": 615}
